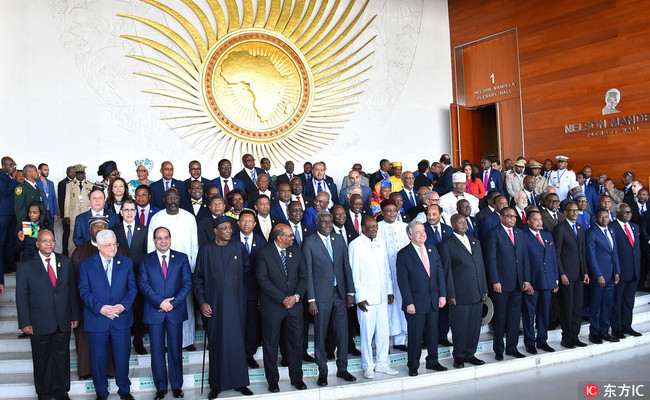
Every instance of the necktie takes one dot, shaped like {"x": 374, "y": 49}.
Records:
{"x": 265, "y": 229}
{"x": 296, "y": 233}
{"x": 129, "y": 235}
{"x": 574, "y": 229}
{"x": 254, "y": 175}
{"x": 425, "y": 261}
{"x": 532, "y": 199}
{"x": 470, "y": 227}
{"x": 320, "y": 188}
{"x": 540, "y": 239}
{"x": 248, "y": 248}
{"x": 283, "y": 256}
{"x": 331, "y": 253}
{"x": 196, "y": 202}
{"x": 608, "y": 239}
{"x": 290, "y": 176}
{"x": 166, "y": 185}
{"x": 629, "y": 235}
{"x": 412, "y": 199}
{"x": 226, "y": 189}
{"x": 485, "y": 180}
{"x": 512, "y": 238}
{"x": 555, "y": 216}
{"x": 436, "y": 234}
{"x": 109, "y": 271}
{"x": 356, "y": 223}
{"x": 642, "y": 209}
{"x": 343, "y": 236}
{"x": 300, "y": 202}
{"x": 466, "y": 243}
{"x": 308, "y": 176}
{"x": 50, "y": 272}
{"x": 81, "y": 186}
{"x": 164, "y": 267}
{"x": 142, "y": 217}
{"x": 523, "y": 217}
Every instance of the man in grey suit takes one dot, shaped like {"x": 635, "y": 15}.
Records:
{"x": 330, "y": 291}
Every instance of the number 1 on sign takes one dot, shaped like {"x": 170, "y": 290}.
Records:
{"x": 492, "y": 78}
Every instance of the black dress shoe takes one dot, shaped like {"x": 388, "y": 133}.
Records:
{"x": 66, "y": 397}
{"x": 189, "y": 348}
{"x": 632, "y": 332}
{"x": 101, "y": 398}
{"x": 23, "y": 336}
{"x": 160, "y": 394}
{"x": 515, "y": 353}
{"x": 400, "y": 347}
{"x": 244, "y": 390}
{"x": 531, "y": 349}
{"x": 274, "y": 388}
{"x": 595, "y": 339}
{"x": 436, "y": 367}
{"x": 354, "y": 352}
{"x": 545, "y": 347}
{"x": 610, "y": 338}
{"x": 618, "y": 335}
{"x": 322, "y": 379}
{"x": 568, "y": 345}
{"x": 307, "y": 358}
{"x": 474, "y": 361}
{"x": 139, "y": 348}
{"x": 579, "y": 343}
{"x": 458, "y": 363}
{"x": 445, "y": 342}
{"x": 330, "y": 356}
{"x": 498, "y": 356}
{"x": 413, "y": 371}
{"x": 127, "y": 396}
{"x": 300, "y": 385}
{"x": 252, "y": 363}
{"x": 213, "y": 394}
{"x": 346, "y": 376}
{"x": 178, "y": 393}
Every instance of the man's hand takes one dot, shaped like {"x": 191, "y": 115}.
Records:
{"x": 586, "y": 280}
{"x": 349, "y": 301}
{"x": 527, "y": 287}
{"x": 2, "y": 290}
{"x": 166, "y": 305}
{"x": 497, "y": 287}
{"x": 484, "y": 296}
{"x": 74, "y": 324}
{"x": 410, "y": 309}
{"x": 363, "y": 306}
{"x": 28, "y": 330}
{"x": 313, "y": 308}
{"x": 119, "y": 308}
{"x": 452, "y": 302}
{"x": 66, "y": 220}
{"x": 601, "y": 281}
{"x": 206, "y": 310}
{"x": 555, "y": 290}
{"x": 564, "y": 279}
{"x": 289, "y": 302}
{"x": 442, "y": 301}
{"x": 56, "y": 218}
{"x": 108, "y": 311}
{"x": 617, "y": 277}
{"x": 391, "y": 299}
{"x": 21, "y": 236}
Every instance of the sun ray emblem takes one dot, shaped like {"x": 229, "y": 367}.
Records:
{"x": 277, "y": 86}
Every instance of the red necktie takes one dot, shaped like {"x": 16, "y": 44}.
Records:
{"x": 356, "y": 223}
{"x": 164, "y": 267}
{"x": 142, "y": 217}
{"x": 629, "y": 235}
{"x": 512, "y": 238}
{"x": 226, "y": 189}
{"x": 299, "y": 202}
{"x": 540, "y": 239}
{"x": 50, "y": 272}
{"x": 523, "y": 217}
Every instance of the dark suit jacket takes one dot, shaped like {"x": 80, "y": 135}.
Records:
{"x": 7, "y": 187}
{"x": 475, "y": 231}
{"x": 549, "y": 221}
{"x": 206, "y": 230}
{"x": 321, "y": 270}
{"x": 155, "y": 288}
{"x": 308, "y": 190}
{"x": 276, "y": 211}
{"x": 158, "y": 192}
{"x": 376, "y": 177}
{"x": 571, "y": 256}
{"x": 350, "y": 233}
{"x": 444, "y": 185}
{"x": 495, "y": 182}
{"x": 249, "y": 185}
{"x": 252, "y": 198}
{"x": 233, "y": 183}
{"x": 445, "y": 232}
{"x": 542, "y": 260}
{"x": 407, "y": 202}
{"x": 204, "y": 181}
{"x": 138, "y": 244}
{"x": 422, "y": 180}
{"x": 507, "y": 264}
{"x": 280, "y": 179}
{"x": 303, "y": 178}
{"x": 82, "y": 230}
{"x": 629, "y": 257}
{"x": 250, "y": 281}
{"x": 601, "y": 258}
{"x": 96, "y": 292}
{"x": 414, "y": 211}
{"x": 204, "y": 211}
{"x": 636, "y": 214}
{"x": 60, "y": 195}
{"x": 305, "y": 232}
{"x": 628, "y": 197}
{"x": 487, "y": 220}
{"x": 465, "y": 278}
{"x": 274, "y": 221}
{"x": 366, "y": 194}
{"x": 416, "y": 287}
{"x": 152, "y": 211}
{"x": 41, "y": 305}
{"x": 274, "y": 285}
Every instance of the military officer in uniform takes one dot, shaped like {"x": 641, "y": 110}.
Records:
{"x": 25, "y": 193}
{"x": 76, "y": 199}
{"x": 561, "y": 177}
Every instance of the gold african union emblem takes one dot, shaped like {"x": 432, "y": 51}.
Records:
{"x": 277, "y": 86}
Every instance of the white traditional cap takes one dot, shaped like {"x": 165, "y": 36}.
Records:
{"x": 459, "y": 177}
{"x": 561, "y": 158}
{"x": 572, "y": 185}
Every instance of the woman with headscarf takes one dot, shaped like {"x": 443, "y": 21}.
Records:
{"x": 108, "y": 171}
{"x": 382, "y": 192}
{"x": 142, "y": 169}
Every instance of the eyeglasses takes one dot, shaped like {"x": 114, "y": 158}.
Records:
{"x": 47, "y": 241}
{"x": 510, "y": 216}
{"x": 128, "y": 210}
{"x": 140, "y": 171}
{"x": 110, "y": 245}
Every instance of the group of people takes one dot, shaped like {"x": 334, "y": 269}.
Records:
{"x": 401, "y": 257}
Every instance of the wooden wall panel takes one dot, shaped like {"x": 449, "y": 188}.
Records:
{"x": 570, "y": 54}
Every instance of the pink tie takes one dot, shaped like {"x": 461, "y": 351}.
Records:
{"x": 425, "y": 261}
{"x": 512, "y": 238}
{"x": 540, "y": 239}
{"x": 164, "y": 267}
{"x": 485, "y": 180}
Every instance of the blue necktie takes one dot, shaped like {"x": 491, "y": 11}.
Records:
{"x": 532, "y": 199}
{"x": 608, "y": 239}
{"x": 109, "y": 271}
{"x": 248, "y": 248}
{"x": 129, "y": 236}
{"x": 254, "y": 176}
{"x": 283, "y": 256}
{"x": 412, "y": 199}
{"x": 296, "y": 233}
{"x": 436, "y": 234}
{"x": 331, "y": 253}
{"x": 320, "y": 188}
{"x": 470, "y": 228}
{"x": 574, "y": 229}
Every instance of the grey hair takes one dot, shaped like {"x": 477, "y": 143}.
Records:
{"x": 321, "y": 214}
{"x": 105, "y": 234}
{"x": 354, "y": 187}
{"x": 411, "y": 225}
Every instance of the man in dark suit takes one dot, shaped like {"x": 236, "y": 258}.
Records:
{"x": 569, "y": 238}
{"x": 48, "y": 309}
{"x": 409, "y": 196}
{"x": 196, "y": 175}
{"x": 280, "y": 208}
{"x": 466, "y": 285}
{"x": 301, "y": 231}
{"x": 628, "y": 244}
{"x": 25, "y": 193}
{"x": 381, "y": 174}
{"x": 165, "y": 280}
{"x": 604, "y": 273}
{"x": 491, "y": 178}
{"x": 422, "y": 180}
{"x": 224, "y": 181}
{"x": 489, "y": 217}
{"x": 306, "y": 175}
{"x": 7, "y": 218}
{"x": 551, "y": 214}
{"x": 628, "y": 190}
{"x": 297, "y": 195}
{"x": 422, "y": 202}
{"x": 132, "y": 237}
{"x": 319, "y": 184}
{"x": 287, "y": 176}
{"x": 421, "y": 282}
{"x": 167, "y": 182}
{"x": 436, "y": 231}
{"x": 195, "y": 203}
{"x": 144, "y": 209}
{"x": 330, "y": 290}
{"x": 506, "y": 259}
{"x": 282, "y": 278}
{"x": 60, "y": 196}
{"x": 444, "y": 185}
{"x": 465, "y": 209}
{"x": 217, "y": 206}
{"x": 248, "y": 175}
{"x": 107, "y": 287}
{"x": 542, "y": 260}
{"x": 265, "y": 221}
{"x": 97, "y": 202}
{"x": 343, "y": 225}
{"x": 320, "y": 204}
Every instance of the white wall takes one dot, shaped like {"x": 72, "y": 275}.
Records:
{"x": 68, "y": 94}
